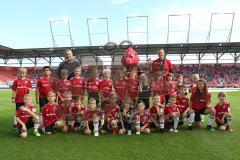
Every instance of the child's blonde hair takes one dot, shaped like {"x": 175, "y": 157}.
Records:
{"x": 63, "y": 72}
{"x": 91, "y": 100}
{"x": 144, "y": 76}
{"x": 27, "y": 96}
{"x": 51, "y": 93}
{"x": 22, "y": 69}
{"x": 78, "y": 68}
{"x": 107, "y": 70}
{"x": 67, "y": 93}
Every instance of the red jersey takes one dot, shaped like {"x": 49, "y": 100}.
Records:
{"x": 75, "y": 110}
{"x": 158, "y": 65}
{"x": 111, "y": 111}
{"x": 192, "y": 88}
{"x": 64, "y": 109}
{"x": 21, "y": 87}
{"x": 144, "y": 116}
{"x": 78, "y": 86}
{"x": 63, "y": 86}
{"x": 183, "y": 103}
{"x": 89, "y": 114}
{"x": 202, "y": 103}
{"x": 49, "y": 114}
{"x": 133, "y": 88}
{"x": 106, "y": 87}
{"x": 24, "y": 116}
{"x": 158, "y": 87}
{"x": 154, "y": 109}
{"x": 43, "y": 86}
{"x": 221, "y": 109}
{"x": 170, "y": 109}
{"x": 121, "y": 87}
{"x": 93, "y": 86}
{"x": 170, "y": 88}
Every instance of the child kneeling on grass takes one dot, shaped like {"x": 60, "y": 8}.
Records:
{"x": 92, "y": 118}
{"x": 50, "y": 113}
{"x": 172, "y": 114}
{"x": 27, "y": 118}
{"x": 125, "y": 116}
{"x": 111, "y": 111}
{"x": 223, "y": 116}
{"x": 157, "y": 114}
{"x": 142, "y": 119}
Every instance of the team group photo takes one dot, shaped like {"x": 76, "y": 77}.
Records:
{"x": 120, "y": 79}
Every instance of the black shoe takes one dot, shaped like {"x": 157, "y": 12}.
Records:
{"x": 162, "y": 130}
{"x": 190, "y": 128}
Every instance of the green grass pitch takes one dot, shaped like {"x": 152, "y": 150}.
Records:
{"x": 198, "y": 144}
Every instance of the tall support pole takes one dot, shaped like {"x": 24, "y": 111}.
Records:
{"x": 137, "y": 32}
{"x": 187, "y": 30}
{"x": 90, "y": 33}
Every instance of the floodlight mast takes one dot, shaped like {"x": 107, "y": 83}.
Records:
{"x": 64, "y": 20}
{"x": 144, "y": 32}
{"x": 90, "y": 34}
{"x": 188, "y": 30}
{"x": 228, "y": 39}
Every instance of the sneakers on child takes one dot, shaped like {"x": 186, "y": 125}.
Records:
{"x": 209, "y": 128}
{"x": 36, "y": 133}
{"x": 96, "y": 133}
{"x": 175, "y": 131}
{"x": 162, "y": 130}
{"x": 171, "y": 130}
{"x": 190, "y": 128}
{"x": 129, "y": 132}
{"x": 137, "y": 133}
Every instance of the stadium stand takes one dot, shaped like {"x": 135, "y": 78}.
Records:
{"x": 222, "y": 75}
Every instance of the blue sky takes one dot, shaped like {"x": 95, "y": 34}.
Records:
{"x": 24, "y": 24}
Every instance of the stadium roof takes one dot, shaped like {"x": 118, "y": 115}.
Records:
{"x": 142, "y": 49}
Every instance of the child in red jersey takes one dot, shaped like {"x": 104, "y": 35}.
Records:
{"x": 111, "y": 111}
{"x": 170, "y": 87}
{"x": 157, "y": 114}
{"x": 125, "y": 118}
{"x": 200, "y": 102}
{"x": 21, "y": 86}
{"x": 65, "y": 108}
{"x": 62, "y": 85}
{"x": 92, "y": 118}
{"x": 141, "y": 118}
{"x": 158, "y": 86}
{"x": 183, "y": 106}
{"x": 193, "y": 86}
{"x": 78, "y": 84}
{"x": 195, "y": 78}
{"x": 77, "y": 113}
{"x": 172, "y": 114}
{"x": 43, "y": 88}
{"x": 179, "y": 80}
{"x": 133, "y": 86}
{"x": 27, "y": 118}
{"x": 223, "y": 116}
{"x": 92, "y": 86}
{"x": 106, "y": 86}
{"x": 51, "y": 114}
{"x": 121, "y": 86}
